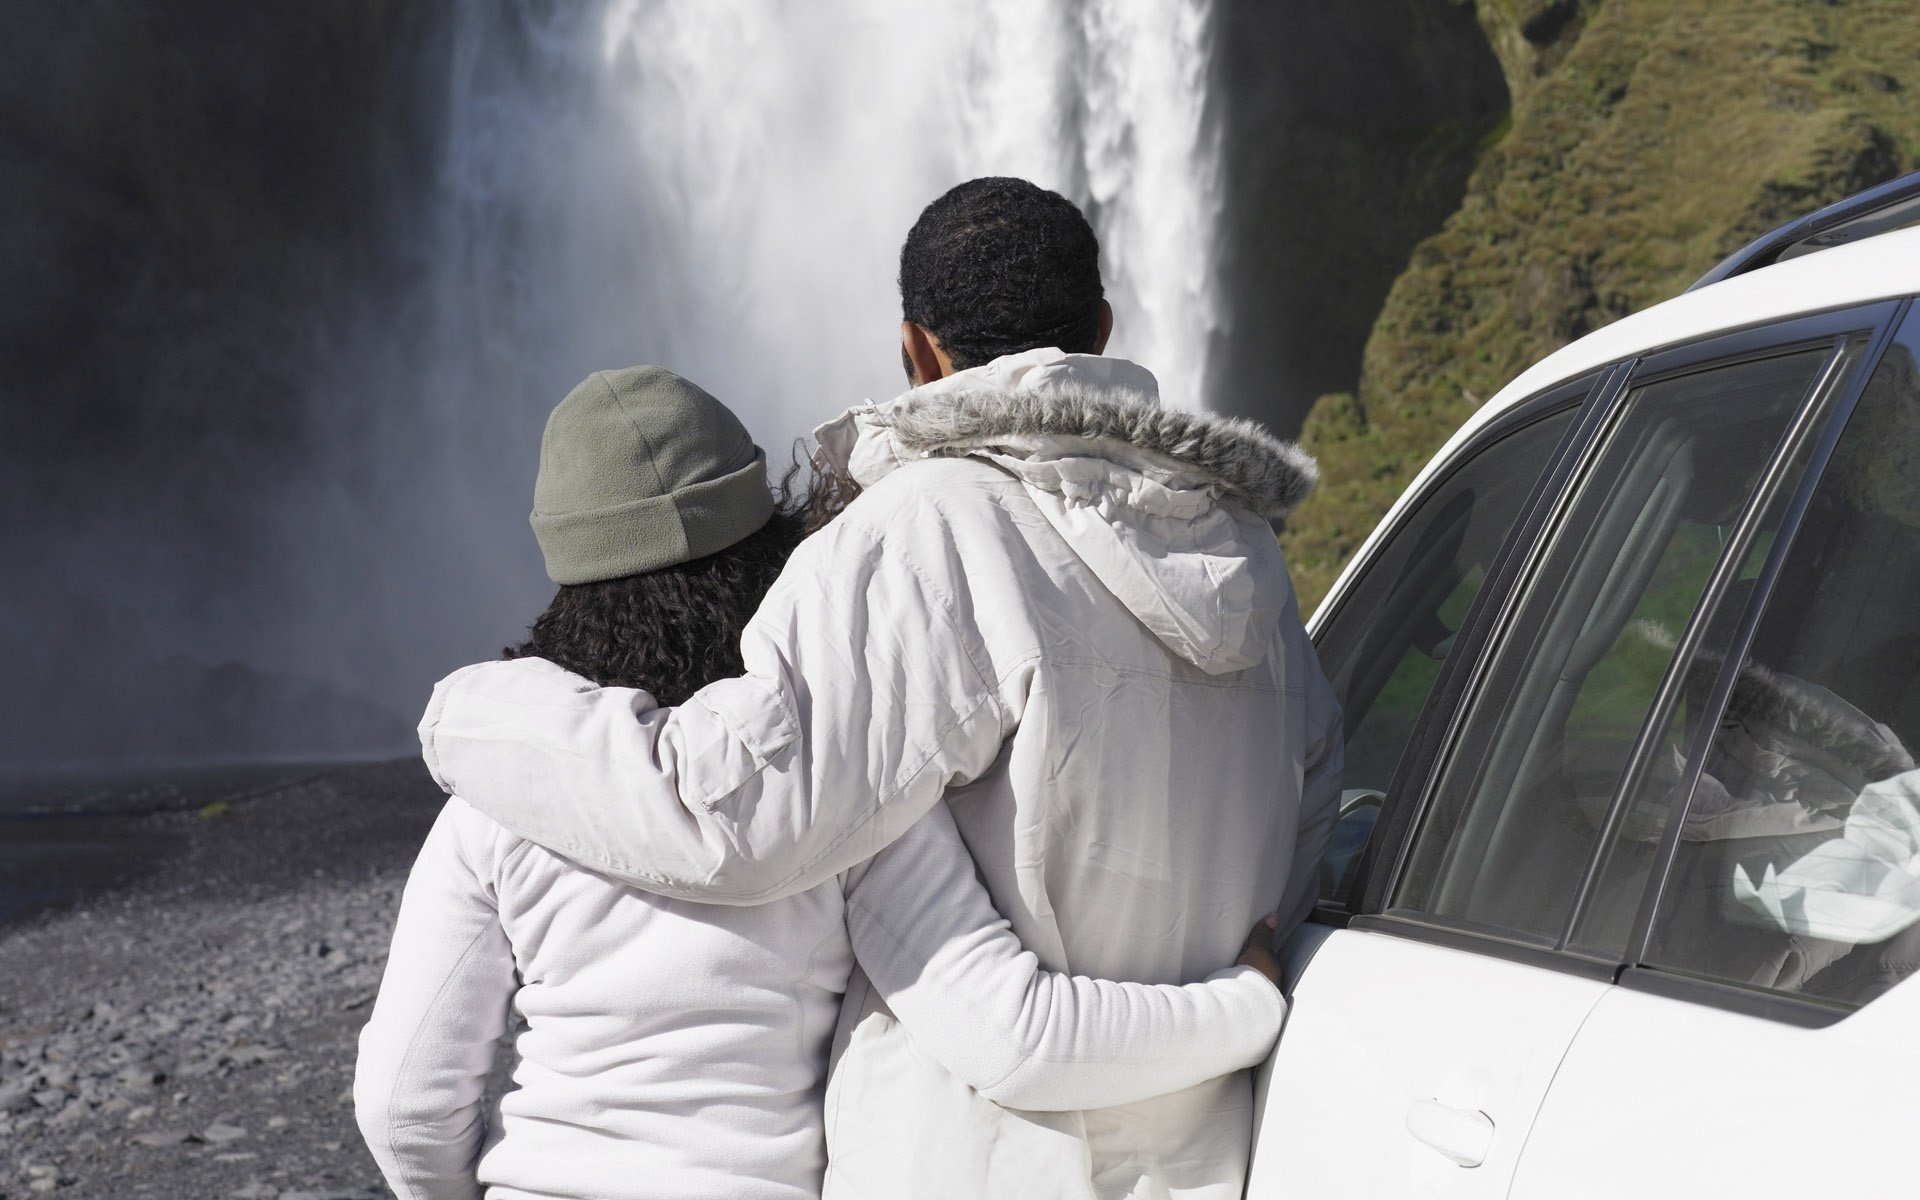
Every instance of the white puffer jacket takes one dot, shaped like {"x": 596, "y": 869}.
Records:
{"x": 1057, "y": 605}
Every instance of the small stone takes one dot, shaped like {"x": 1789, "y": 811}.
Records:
{"x": 277, "y": 1122}
{"x": 229, "y": 1158}
{"x": 16, "y": 1097}
{"x": 140, "y": 1079}
{"x": 163, "y": 1137}
{"x": 255, "y": 1191}
{"x": 41, "y": 1185}
{"x": 51, "y": 1097}
{"x": 220, "y": 1132}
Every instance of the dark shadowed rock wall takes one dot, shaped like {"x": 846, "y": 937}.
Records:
{"x": 1350, "y": 130}
{"x": 191, "y": 188}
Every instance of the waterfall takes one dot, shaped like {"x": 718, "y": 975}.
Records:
{"x": 720, "y": 187}
{"x": 723, "y": 185}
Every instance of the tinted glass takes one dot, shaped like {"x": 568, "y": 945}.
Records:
{"x": 1798, "y": 867}
{"x": 1518, "y": 812}
{"x": 1384, "y": 647}
{"x": 1614, "y": 904}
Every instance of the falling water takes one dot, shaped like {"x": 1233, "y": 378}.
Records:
{"x": 722, "y": 185}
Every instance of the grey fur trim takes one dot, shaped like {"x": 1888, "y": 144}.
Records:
{"x": 1273, "y": 474}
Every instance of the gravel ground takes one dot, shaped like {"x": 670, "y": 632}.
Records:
{"x": 191, "y": 1034}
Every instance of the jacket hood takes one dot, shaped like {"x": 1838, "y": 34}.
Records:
{"x": 1107, "y": 403}
{"x": 1168, "y": 508}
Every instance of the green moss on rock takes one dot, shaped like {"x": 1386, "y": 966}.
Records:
{"x": 1648, "y": 139}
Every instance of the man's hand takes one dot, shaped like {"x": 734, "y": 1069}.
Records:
{"x": 1258, "y": 952}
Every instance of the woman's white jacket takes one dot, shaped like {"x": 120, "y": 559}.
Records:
{"x": 1060, "y": 607}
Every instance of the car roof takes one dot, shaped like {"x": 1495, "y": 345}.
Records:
{"x": 1876, "y": 268}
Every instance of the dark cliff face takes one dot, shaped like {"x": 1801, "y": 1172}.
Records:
{"x": 190, "y": 190}
{"x": 180, "y": 177}
{"x": 1349, "y": 133}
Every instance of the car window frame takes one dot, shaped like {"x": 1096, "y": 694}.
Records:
{"x": 1438, "y": 727}
{"x": 1576, "y": 393}
{"x": 1635, "y": 973}
{"x": 1807, "y": 425}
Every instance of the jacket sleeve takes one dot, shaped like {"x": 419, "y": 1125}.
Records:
{"x": 949, "y": 966}
{"x": 429, "y": 1045}
{"x": 865, "y": 697}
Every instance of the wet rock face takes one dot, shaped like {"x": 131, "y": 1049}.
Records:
{"x": 1350, "y": 131}
{"x": 178, "y": 175}
{"x": 190, "y": 188}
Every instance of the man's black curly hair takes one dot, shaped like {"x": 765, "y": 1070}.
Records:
{"x": 999, "y": 265}
{"x": 677, "y": 629}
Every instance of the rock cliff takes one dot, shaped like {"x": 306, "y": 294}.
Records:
{"x": 1646, "y": 140}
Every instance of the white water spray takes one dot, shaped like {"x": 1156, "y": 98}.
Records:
{"x": 722, "y": 185}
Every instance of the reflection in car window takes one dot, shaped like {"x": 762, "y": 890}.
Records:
{"x": 1384, "y": 647}
{"x": 1507, "y": 839}
{"x": 1798, "y": 867}
{"x": 1613, "y": 906}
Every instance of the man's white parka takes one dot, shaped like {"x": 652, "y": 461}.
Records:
{"x": 1059, "y": 607}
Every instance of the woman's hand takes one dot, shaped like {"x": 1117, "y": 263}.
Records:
{"x": 1258, "y": 952}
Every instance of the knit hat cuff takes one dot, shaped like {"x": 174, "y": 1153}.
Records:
{"x": 655, "y": 531}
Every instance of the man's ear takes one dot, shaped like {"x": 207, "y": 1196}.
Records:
{"x": 924, "y": 357}
{"x": 1106, "y": 328}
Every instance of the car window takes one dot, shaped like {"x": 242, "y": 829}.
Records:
{"x": 1612, "y": 906}
{"x": 1506, "y": 840}
{"x": 1798, "y": 862}
{"x": 1384, "y": 646}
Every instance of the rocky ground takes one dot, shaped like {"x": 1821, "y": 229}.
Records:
{"x": 192, "y": 1034}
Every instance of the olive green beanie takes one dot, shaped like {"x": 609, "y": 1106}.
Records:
{"x": 640, "y": 469}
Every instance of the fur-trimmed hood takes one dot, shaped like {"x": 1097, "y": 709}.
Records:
{"x": 1169, "y": 509}
{"x": 1109, "y": 406}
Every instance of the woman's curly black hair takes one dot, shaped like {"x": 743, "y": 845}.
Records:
{"x": 998, "y": 265}
{"x": 675, "y": 630}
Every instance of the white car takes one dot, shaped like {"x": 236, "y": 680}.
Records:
{"x": 1625, "y": 896}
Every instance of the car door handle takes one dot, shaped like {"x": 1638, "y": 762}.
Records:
{"x": 1461, "y": 1134}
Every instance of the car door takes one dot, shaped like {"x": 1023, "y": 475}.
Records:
{"x": 1496, "y": 702}
{"x": 1346, "y": 1030}
{"x": 1765, "y": 1038}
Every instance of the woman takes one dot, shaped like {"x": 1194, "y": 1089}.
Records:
{"x": 674, "y": 1049}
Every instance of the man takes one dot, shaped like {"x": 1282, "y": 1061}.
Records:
{"x": 1054, "y": 604}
